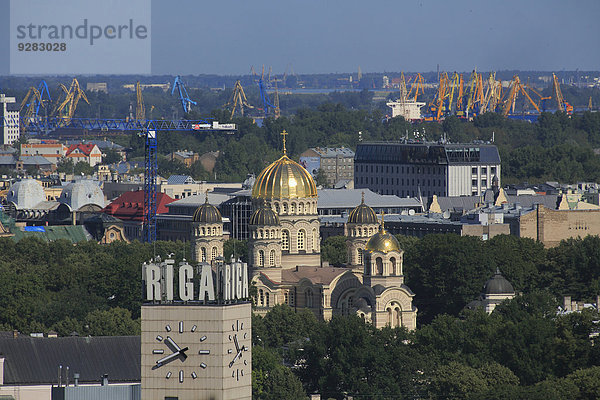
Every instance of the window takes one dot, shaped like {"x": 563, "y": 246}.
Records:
{"x": 474, "y": 182}
{"x": 213, "y": 253}
{"x": 493, "y": 170}
{"x": 483, "y": 183}
{"x": 285, "y": 240}
{"x": 474, "y": 170}
{"x": 483, "y": 170}
{"x": 360, "y": 256}
{"x": 393, "y": 265}
{"x": 272, "y": 258}
{"x": 261, "y": 258}
{"x": 314, "y": 239}
{"x": 203, "y": 251}
{"x": 308, "y": 298}
{"x": 301, "y": 239}
{"x": 379, "y": 263}
{"x": 261, "y": 298}
{"x": 267, "y": 298}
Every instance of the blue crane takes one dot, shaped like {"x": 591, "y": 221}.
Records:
{"x": 146, "y": 129}
{"x": 186, "y": 102}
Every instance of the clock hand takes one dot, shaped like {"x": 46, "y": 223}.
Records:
{"x": 235, "y": 358}
{"x": 171, "y": 357}
{"x": 237, "y": 346}
{"x": 174, "y": 345}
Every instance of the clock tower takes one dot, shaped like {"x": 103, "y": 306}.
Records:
{"x": 196, "y": 331}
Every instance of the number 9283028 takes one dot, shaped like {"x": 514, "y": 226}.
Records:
{"x": 27, "y": 46}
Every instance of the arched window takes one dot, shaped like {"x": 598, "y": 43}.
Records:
{"x": 261, "y": 298}
{"x": 272, "y": 258}
{"x": 267, "y": 298}
{"x": 379, "y": 263}
{"x": 397, "y": 316}
{"x": 300, "y": 208}
{"x": 203, "y": 232}
{"x": 284, "y": 208}
{"x": 292, "y": 208}
{"x": 390, "y": 317}
{"x": 308, "y": 298}
{"x": 213, "y": 253}
{"x": 261, "y": 258}
{"x": 291, "y": 298}
{"x": 203, "y": 254}
{"x": 286, "y": 298}
{"x": 214, "y": 231}
{"x": 393, "y": 265}
{"x": 285, "y": 240}
{"x": 360, "y": 256}
{"x": 301, "y": 239}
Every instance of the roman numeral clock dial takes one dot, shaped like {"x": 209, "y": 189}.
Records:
{"x": 179, "y": 352}
{"x": 239, "y": 339}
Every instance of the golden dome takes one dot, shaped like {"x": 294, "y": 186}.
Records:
{"x": 362, "y": 214}
{"x": 284, "y": 179}
{"x": 382, "y": 241}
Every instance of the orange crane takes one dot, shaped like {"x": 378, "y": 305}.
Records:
{"x": 140, "y": 110}
{"x": 417, "y": 86}
{"x": 541, "y": 99}
{"x": 238, "y": 99}
{"x": 66, "y": 109}
{"x": 560, "y": 101}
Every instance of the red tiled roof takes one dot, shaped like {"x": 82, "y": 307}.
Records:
{"x": 84, "y": 148}
{"x": 130, "y": 205}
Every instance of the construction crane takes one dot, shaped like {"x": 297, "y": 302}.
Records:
{"x": 560, "y": 101}
{"x": 140, "y": 110}
{"x": 186, "y": 102}
{"x": 146, "y": 129}
{"x": 33, "y": 100}
{"x": 238, "y": 99}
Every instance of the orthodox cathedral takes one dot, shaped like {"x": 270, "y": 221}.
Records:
{"x": 285, "y": 255}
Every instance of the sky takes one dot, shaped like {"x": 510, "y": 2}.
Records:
{"x": 227, "y": 37}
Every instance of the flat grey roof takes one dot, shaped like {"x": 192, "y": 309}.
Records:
{"x": 350, "y": 198}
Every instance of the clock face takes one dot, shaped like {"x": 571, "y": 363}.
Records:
{"x": 240, "y": 342}
{"x": 174, "y": 349}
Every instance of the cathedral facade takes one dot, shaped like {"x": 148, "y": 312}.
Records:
{"x": 285, "y": 254}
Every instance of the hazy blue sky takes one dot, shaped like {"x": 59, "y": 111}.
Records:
{"x": 320, "y": 36}
{"x": 228, "y": 36}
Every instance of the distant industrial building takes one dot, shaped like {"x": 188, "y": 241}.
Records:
{"x": 336, "y": 163}
{"x": 425, "y": 169}
{"x": 9, "y": 119}
{"x": 97, "y": 87}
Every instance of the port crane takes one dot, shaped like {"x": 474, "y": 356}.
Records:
{"x": 67, "y": 102}
{"x": 264, "y": 96}
{"x": 186, "y": 102}
{"x": 560, "y": 101}
{"x": 238, "y": 99}
{"x": 140, "y": 109}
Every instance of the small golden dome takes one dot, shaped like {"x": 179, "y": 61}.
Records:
{"x": 284, "y": 179}
{"x": 382, "y": 241}
{"x": 362, "y": 214}
{"x": 207, "y": 214}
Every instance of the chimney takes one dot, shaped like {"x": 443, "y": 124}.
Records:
{"x": 15, "y": 334}
{"x": 567, "y": 303}
{"x": 76, "y": 378}
{"x": 2, "y": 369}
{"x": 104, "y": 380}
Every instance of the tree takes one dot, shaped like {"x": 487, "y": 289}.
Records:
{"x": 447, "y": 271}
{"x": 236, "y": 248}
{"x": 83, "y": 168}
{"x": 110, "y": 156}
{"x": 271, "y": 380}
{"x": 333, "y": 249}
{"x": 114, "y": 322}
{"x": 321, "y": 179}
